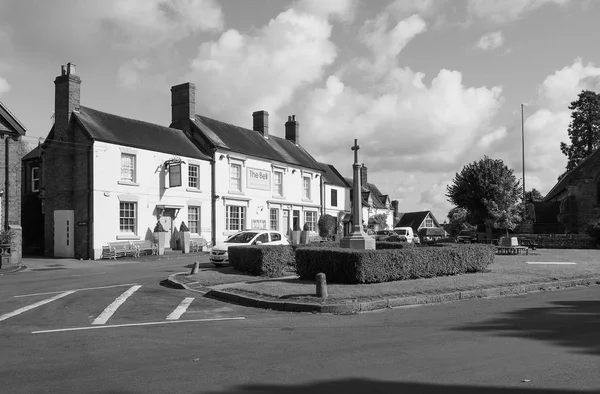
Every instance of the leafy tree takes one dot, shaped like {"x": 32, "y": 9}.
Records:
{"x": 584, "y": 129}
{"x": 533, "y": 196}
{"x": 327, "y": 226}
{"x": 457, "y": 221}
{"x": 489, "y": 192}
{"x": 380, "y": 220}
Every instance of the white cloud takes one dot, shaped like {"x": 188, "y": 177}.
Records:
{"x": 344, "y": 10}
{"x": 559, "y": 89}
{"x": 151, "y": 23}
{"x": 491, "y": 41}
{"x": 262, "y": 69}
{"x": 129, "y": 72}
{"x": 506, "y": 10}
{"x": 4, "y": 86}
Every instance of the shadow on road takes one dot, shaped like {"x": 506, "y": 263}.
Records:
{"x": 573, "y": 324}
{"x": 361, "y": 386}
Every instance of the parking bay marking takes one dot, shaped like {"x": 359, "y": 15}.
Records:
{"x": 112, "y": 308}
{"x": 32, "y": 306}
{"x": 61, "y": 291}
{"x": 551, "y": 262}
{"x": 181, "y": 308}
{"x": 138, "y": 324}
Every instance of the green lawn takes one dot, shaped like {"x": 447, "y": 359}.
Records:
{"x": 505, "y": 271}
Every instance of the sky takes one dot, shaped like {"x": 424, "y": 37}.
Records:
{"x": 426, "y": 86}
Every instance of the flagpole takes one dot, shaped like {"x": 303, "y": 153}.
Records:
{"x": 523, "y": 151}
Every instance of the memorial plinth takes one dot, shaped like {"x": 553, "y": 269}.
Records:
{"x": 357, "y": 238}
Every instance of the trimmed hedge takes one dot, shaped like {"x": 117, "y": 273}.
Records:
{"x": 375, "y": 266}
{"x": 271, "y": 260}
{"x": 393, "y": 245}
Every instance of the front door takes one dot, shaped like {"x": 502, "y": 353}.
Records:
{"x": 286, "y": 222}
{"x": 167, "y": 222}
{"x": 296, "y": 220}
{"x": 63, "y": 234}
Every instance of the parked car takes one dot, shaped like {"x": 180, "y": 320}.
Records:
{"x": 408, "y": 233}
{"x": 384, "y": 235}
{"x": 430, "y": 235}
{"x": 466, "y": 237}
{"x": 219, "y": 254}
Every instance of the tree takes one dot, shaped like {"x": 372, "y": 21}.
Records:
{"x": 584, "y": 129}
{"x": 380, "y": 220}
{"x": 327, "y": 226}
{"x": 489, "y": 192}
{"x": 457, "y": 221}
{"x": 533, "y": 196}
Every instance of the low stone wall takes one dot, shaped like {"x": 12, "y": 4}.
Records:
{"x": 561, "y": 241}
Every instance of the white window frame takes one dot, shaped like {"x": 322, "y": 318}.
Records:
{"x": 428, "y": 222}
{"x": 274, "y": 219}
{"x": 236, "y": 188}
{"x": 239, "y": 221}
{"x": 132, "y": 207}
{"x": 312, "y": 224}
{"x": 197, "y": 220}
{"x": 35, "y": 178}
{"x": 278, "y": 187}
{"x": 133, "y": 169}
{"x": 195, "y": 167}
{"x": 306, "y": 192}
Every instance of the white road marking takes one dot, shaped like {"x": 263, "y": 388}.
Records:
{"x": 61, "y": 291}
{"x": 180, "y": 310}
{"x": 551, "y": 262}
{"x": 32, "y": 306}
{"x": 138, "y": 324}
{"x": 112, "y": 308}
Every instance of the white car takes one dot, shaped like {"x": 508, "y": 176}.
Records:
{"x": 408, "y": 233}
{"x": 219, "y": 256}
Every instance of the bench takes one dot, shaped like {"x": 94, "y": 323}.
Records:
{"x": 197, "y": 243}
{"x": 527, "y": 242}
{"x": 512, "y": 249}
{"x": 118, "y": 249}
{"x": 144, "y": 246}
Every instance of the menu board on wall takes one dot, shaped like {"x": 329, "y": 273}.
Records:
{"x": 258, "y": 224}
{"x": 258, "y": 179}
{"x": 174, "y": 175}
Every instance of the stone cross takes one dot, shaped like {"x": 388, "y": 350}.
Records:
{"x": 355, "y": 148}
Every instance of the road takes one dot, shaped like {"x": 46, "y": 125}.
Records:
{"x": 110, "y": 327}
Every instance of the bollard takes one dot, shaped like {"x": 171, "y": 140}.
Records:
{"x": 195, "y": 268}
{"x": 321, "y": 285}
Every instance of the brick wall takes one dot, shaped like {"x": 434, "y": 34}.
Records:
{"x": 11, "y": 199}
{"x": 562, "y": 241}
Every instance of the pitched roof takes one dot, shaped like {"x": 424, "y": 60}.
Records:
{"x": 241, "y": 140}
{"x": 115, "y": 129}
{"x": 562, "y": 184}
{"x": 333, "y": 177}
{"x": 414, "y": 219}
{"x": 373, "y": 191}
{"x": 33, "y": 154}
{"x": 9, "y": 123}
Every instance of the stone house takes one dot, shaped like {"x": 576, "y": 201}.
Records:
{"x": 575, "y": 199}
{"x": 260, "y": 180}
{"x": 11, "y": 132}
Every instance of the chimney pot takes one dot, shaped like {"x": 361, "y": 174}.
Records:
{"x": 292, "y": 130}
{"x": 70, "y": 69}
{"x": 66, "y": 99}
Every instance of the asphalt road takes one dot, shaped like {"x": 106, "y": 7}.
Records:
{"x": 79, "y": 342}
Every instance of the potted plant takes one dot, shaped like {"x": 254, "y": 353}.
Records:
{"x": 184, "y": 238}
{"x": 296, "y": 234}
{"x": 160, "y": 237}
{"x": 5, "y": 245}
{"x": 304, "y": 238}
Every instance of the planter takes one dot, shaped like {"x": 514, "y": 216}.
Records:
{"x": 5, "y": 255}
{"x": 160, "y": 239}
{"x": 296, "y": 237}
{"x": 304, "y": 237}
{"x": 184, "y": 241}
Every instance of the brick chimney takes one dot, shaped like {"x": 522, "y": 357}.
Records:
{"x": 260, "y": 122}
{"x": 67, "y": 88}
{"x": 395, "y": 208}
{"x": 291, "y": 130}
{"x": 363, "y": 175}
{"x": 183, "y": 105}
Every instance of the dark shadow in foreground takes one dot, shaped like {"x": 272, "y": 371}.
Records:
{"x": 573, "y": 324}
{"x": 362, "y": 386}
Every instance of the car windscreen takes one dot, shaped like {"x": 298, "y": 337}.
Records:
{"x": 241, "y": 238}
{"x": 401, "y": 232}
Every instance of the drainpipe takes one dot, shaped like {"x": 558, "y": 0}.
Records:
{"x": 90, "y": 220}
{"x": 6, "y": 181}
{"x": 322, "y": 196}
{"x": 213, "y": 205}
